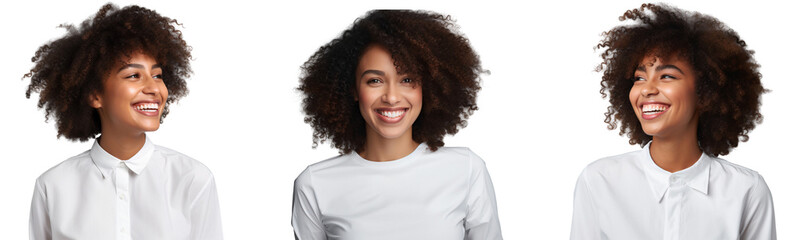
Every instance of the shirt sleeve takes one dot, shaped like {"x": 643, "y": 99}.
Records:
{"x": 205, "y": 216}
{"x": 584, "y": 223}
{"x": 39, "y": 215}
{"x": 482, "y": 222}
{"x": 761, "y": 220}
{"x": 306, "y": 221}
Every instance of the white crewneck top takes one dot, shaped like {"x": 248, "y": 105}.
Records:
{"x": 441, "y": 195}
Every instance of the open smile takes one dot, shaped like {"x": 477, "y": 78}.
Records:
{"x": 147, "y": 108}
{"x": 391, "y": 115}
{"x": 653, "y": 110}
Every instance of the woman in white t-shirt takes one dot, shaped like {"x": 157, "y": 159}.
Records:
{"x": 385, "y": 93}
{"x": 115, "y": 75}
{"x": 685, "y": 87}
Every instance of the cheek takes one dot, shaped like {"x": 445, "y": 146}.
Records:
{"x": 163, "y": 90}
{"x": 416, "y": 98}
{"x": 366, "y": 97}
{"x": 692, "y": 101}
{"x": 684, "y": 95}
{"x": 634, "y": 94}
{"x": 119, "y": 94}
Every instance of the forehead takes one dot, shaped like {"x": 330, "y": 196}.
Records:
{"x": 376, "y": 56}
{"x": 137, "y": 58}
{"x": 655, "y": 59}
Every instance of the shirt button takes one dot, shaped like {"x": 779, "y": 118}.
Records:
{"x": 121, "y": 196}
{"x": 675, "y": 179}
{"x": 122, "y": 230}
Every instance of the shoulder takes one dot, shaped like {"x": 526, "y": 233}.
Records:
{"x": 462, "y": 155}
{"x": 459, "y": 158}
{"x": 76, "y": 165}
{"x": 617, "y": 169}
{"x": 181, "y": 164}
{"x": 616, "y": 163}
{"x": 734, "y": 174}
{"x": 305, "y": 178}
{"x": 453, "y": 151}
{"x": 733, "y": 168}
{"x": 736, "y": 180}
{"x": 332, "y": 162}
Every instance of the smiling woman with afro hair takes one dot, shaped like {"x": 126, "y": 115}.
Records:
{"x": 421, "y": 43}
{"x": 385, "y": 93}
{"x": 686, "y": 88}
{"x": 115, "y": 75}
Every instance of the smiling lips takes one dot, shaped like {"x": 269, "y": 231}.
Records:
{"x": 391, "y": 115}
{"x": 147, "y": 108}
{"x": 653, "y": 110}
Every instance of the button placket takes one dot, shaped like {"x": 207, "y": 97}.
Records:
{"x": 122, "y": 174}
{"x": 673, "y": 207}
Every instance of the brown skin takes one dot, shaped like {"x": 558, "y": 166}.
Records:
{"x": 381, "y": 87}
{"x": 672, "y": 83}
{"x": 137, "y": 81}
{"x": 424, "y": 45}
{"x": 70, "y": 69}
{"x": 728, "y": 84}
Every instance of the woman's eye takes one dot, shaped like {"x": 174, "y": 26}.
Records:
{"x": 158, "y": 76}
{"x": 639, "y": 79}
{"x": 407, "y": 80}
{"x": 133, "y": 76}
{"x": 373, "y": 81}
{"x": 667, "y": 77}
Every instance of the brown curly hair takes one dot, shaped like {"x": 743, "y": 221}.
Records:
{"x": 69, "y": 69}
{"x": 728, "y": 82}
{"x": 423, "y": 44}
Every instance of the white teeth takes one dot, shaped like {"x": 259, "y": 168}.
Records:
{"x": 654, "y": 108}
{"x": 147, "y": 107}
{"x": 392, "y": 114}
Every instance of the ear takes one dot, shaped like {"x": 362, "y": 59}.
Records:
{"x": 95, "y": 100}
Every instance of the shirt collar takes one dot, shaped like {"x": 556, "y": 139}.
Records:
{"x": 397, "y": 162}
{"x": 695, "y": 177}
{"x": 106, "y": 162}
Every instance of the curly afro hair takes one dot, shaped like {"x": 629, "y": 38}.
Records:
{"x": 728, "y": 83}
{"x": 423, "y": 44}
{"x": 69, "y": 69}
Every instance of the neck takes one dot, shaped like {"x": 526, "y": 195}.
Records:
{"x": 379, "y": 149}
{"x": 674, "y": 155}
{"x": 122, "y": 146}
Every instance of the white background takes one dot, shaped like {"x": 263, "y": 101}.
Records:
{"x": 540, "y": 121}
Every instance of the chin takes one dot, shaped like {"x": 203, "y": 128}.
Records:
{"x": 150, "y": 127}
{"x": 651, "y": 131}
{"x": 391, "y": 133}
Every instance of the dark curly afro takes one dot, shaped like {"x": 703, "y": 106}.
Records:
{"x": 69, "y": 69}
{"x": 423, "y": 44}
{"x": 728, "y": 82}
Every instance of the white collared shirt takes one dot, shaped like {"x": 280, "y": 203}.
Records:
{"x": 441, "y": 195}
{"x": 157, "y": 194}
{"x": 629, "y": 197}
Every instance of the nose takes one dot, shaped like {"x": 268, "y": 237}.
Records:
{"x": 650, "y": 88}
{"x": 150, "y": 85}
{"x": 391, "y": 95}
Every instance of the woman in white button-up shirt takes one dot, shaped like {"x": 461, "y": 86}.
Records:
{"x": 685, "y": 87}
{"x": 385, "y": 93}
{"x": 114, "y": 75}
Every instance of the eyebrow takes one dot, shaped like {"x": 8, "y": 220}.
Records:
{"x": 660, "y": 68}
{"x": 376, "y": 72}
{"x": 134, "y": 65}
